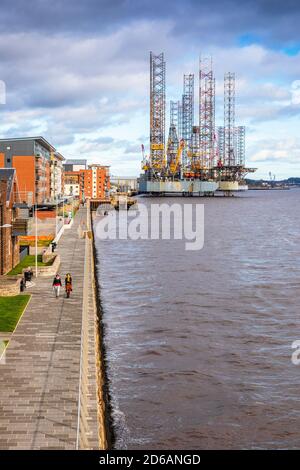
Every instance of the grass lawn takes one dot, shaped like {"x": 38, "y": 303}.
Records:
{"x": 29, "y": 260}
{"x": 11, "y": 308}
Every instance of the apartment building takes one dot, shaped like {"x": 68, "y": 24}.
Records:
{"x": 96, "y": 183}
{"x": 38, "y": 166}
{"x": 57, "y": 178}
{"x": 72, "y": 184}
{"x": 73, "y": 177}
{"x": 92, "y": 182}
{"x": 75, "y": 165}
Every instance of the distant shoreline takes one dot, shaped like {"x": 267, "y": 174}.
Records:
{"x": 257, "y": 188}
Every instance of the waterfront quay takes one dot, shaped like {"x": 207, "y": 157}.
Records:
{"x": 50, "y": 389}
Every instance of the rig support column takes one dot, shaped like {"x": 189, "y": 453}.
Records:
{"x": 157, "y": 111}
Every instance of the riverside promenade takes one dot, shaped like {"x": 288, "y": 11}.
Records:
{"x": 39, "y": 387}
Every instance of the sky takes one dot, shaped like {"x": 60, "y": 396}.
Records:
{"x": 77, "y": 73}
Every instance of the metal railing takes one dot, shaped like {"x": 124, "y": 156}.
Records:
{"x": 82, "y": 419}
{"x": 90, "y": 420}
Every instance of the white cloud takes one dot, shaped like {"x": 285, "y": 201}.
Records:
{"x": 74, "y": 90}
{"x": 276, "y": 150}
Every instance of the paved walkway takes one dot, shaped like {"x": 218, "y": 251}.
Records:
{"x": 40, "y": 380}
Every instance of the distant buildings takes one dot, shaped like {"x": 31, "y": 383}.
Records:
{"x": 73, "y": 177}
{"x": 124, "y": 184}
{"x": 72, "y": 185}
{"x": 34, "y": 173}
{"x": 96, "y": 182}
{"x": 45, "y": 176}
{"x": 75, "y": 165}
{"x": 92, "y": 182}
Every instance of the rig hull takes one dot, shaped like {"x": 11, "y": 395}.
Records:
{"x": 199, "y": 188}
{"x": 187, "y": 187}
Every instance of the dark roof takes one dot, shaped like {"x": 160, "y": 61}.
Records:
{"x": 8, "y": 175}
{"x": 76, "y": 162}
{"x": 39, "y": 139}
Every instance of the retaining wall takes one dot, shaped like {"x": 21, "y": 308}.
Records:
{"x": 9, "y": 286}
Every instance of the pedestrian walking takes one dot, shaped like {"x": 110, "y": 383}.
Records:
{"x": 56, "y": 285}
{"x": 28, "y": 275}
{"x": 22, "y": 285}
{"x": 68, "y": 284}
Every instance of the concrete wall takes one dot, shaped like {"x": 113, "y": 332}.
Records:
{"x": 47, "y": 271}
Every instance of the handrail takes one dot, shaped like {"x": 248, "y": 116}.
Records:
{"x": 90, "y": 417}
{"x": 81, "y": 418}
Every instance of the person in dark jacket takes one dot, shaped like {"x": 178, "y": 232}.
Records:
{"x": 56, "y": 285}
{"x": 22, "y": 285}
{"x": 28, "y": 274}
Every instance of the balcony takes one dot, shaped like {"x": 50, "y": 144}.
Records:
{"x": 19, "y": 227}
{"x": 40, "y": 178}
{"x": 40, "y": 189}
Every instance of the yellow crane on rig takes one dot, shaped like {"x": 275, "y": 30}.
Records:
{"x": 145, "y": 160}
{"x": 174, "y": 165}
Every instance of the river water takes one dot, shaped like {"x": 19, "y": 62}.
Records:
{"x": 199, "y": 342}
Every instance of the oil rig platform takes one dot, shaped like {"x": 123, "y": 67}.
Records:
{"x": 196, "y": 160}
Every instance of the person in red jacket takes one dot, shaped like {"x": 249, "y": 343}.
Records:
{"x": 56, "y": 285}
{"x": 68, "y": 284}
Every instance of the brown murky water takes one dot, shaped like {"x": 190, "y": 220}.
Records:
{"x": 199, "y": 343}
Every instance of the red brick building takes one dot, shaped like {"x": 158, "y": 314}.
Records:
{"x": 96, "y": 182}
{"x": 9, "y": 243}
{"x": 92, "y": 182}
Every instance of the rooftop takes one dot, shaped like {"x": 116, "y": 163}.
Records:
{"x": 76, "y": 162}
{"x": 38, "y": 139}
{"x": 98, "y": 165}
{"x": 114, "y": 177}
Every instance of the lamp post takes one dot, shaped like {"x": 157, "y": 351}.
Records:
{"x": 36, "y": 243}
{"x": 56, "y": 216}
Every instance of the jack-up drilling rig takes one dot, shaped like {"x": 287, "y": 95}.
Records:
{"x": 196, "y": 159}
